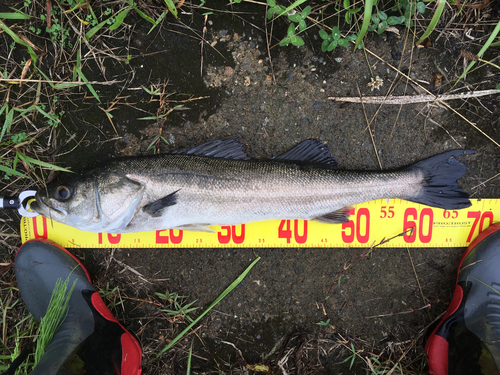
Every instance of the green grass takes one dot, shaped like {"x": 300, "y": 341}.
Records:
{"x": 228, "y": 290}
{"x": 42, "y": 333}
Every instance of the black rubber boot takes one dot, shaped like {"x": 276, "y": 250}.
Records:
{"x": 467, "y": 340}
{"x": 90, "y": 340}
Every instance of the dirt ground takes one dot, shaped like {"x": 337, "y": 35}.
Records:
{"x": 272, "y": 102}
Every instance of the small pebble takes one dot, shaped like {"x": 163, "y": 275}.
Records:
{"x": 317, "y": 105}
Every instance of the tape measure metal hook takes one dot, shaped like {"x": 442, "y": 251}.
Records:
{"x": 20, "y": 203}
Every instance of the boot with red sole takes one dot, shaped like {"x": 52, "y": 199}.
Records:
{"x": 90, "y": 340}
{"x": 467, "y": 340}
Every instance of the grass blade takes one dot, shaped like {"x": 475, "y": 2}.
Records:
{"x": 55, "y": 315}
{"x": 9, "y": 171}
{"x": 89, "y": 34}
{"x": 18, "y": 15}
{"x": 119, "y": 19}
{"x": 29, "y": 161}
{"x": 51, "y": 118}
{"x": 65, "y": 85}
{"x": 294, "y": 5}
{"x": 366, "y": 22}
{"x": 89, "y": 86}
{"x": 144, "y": 15}
{"x": 18, "y": 40}
{"x": 9, "y": 116}
{"x": 188, "y": 370}
{"x": 171, "y": 7}
{"x": 217, "y": 300}
{"x": 483, "y": 50}
{"x": 434, "y": 20}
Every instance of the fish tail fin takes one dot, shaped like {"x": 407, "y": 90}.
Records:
{"x": 440, "y": 187}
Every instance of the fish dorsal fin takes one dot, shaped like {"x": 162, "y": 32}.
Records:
{"x": 311, "y": 151}
{"x": 230, "y": 149}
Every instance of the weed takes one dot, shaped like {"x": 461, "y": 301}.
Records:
{"x": 330, "y": 41}
{"x": 180, "y": 308}
{"x": 228, "y": 290}
{"x": 110, "y": 295}
{"x": 352, "y": 357}
{"x": 55, "y": 315}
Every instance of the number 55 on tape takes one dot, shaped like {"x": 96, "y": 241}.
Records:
{"x": 370, "y": 224}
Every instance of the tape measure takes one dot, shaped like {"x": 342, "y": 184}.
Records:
{"x": 387, "y": 223}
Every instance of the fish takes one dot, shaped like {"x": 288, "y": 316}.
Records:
{"x": 216, "y": 183}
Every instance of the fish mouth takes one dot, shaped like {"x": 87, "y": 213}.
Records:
{"x": 43, "y": 208}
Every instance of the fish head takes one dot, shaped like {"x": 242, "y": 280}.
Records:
{"x": 104, "y": 202}
{"x": 70, "y": 202}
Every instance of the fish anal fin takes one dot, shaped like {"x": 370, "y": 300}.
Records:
{"x": 310, "y": 151}
{"x": 155, "y": 209}
{"x": 335, "y": 217}
{"x": 196, "y": 228}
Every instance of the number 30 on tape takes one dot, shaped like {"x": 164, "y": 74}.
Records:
{"x": 404, "y": 223}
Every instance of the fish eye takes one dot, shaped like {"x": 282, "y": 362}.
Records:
{"x": 63, "y": 192}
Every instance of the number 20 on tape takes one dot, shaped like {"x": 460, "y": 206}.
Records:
{"x": 369, "y": 224}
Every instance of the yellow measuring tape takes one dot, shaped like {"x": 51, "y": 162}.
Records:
{"x": 391, "y": 223}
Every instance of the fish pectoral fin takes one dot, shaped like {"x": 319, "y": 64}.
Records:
{"x": 335, "y": 217}
{"x": 196, "y": 228}
{"x": 310, "y": 151}
{"x": 155, "y": 209}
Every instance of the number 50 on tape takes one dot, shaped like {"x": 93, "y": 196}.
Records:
{"x": 370, "y": 224}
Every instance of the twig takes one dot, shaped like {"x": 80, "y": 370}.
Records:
{"x": 369, "y": 129}
{"x": 413, "y": 99}
{"x": 399, "y": 313}
{"x": 416, "y": 276}
{"x": 16, "y": 80}
{"x": 489, "y": 179}
{"x": 132, "y": 270}
{"x": 438, "y": 98}
{"x": 201, "y": 43}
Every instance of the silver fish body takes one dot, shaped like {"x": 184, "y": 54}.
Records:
{"x": 194, "y": 191}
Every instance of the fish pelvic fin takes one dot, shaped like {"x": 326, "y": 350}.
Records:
{"x": 155, "y": 209}
{"x": 196, "y": 228}
{"x": 440, "y": 187}
{"x": 335, "y": 217}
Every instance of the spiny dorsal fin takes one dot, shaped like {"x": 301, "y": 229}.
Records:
{"x": 230, "y": 149}
{"x": 311, "y": 151}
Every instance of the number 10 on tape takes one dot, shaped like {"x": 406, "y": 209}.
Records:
{"x": 369, "y": 224}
